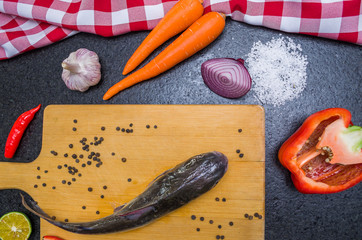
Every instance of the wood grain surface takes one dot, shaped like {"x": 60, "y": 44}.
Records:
{"x": 97, "y": 157}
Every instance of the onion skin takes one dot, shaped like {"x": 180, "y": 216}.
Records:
{"x": 226, "y": 77}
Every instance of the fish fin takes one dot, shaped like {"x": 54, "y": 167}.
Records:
{"x": 119, "y": 208}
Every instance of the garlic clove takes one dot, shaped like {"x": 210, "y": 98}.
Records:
{"x": 81, "y": 70}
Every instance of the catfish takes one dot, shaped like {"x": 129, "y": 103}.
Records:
{"x": 166, "y": 193}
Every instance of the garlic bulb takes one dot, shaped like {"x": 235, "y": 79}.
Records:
{"x": 81, "y": 70}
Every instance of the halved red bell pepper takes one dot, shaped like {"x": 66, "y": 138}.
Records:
{"x": 314, "y": 156}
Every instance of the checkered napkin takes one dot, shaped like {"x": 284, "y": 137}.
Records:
{"x": 30, "y": 24}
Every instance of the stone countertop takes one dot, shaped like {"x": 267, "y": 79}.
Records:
{"x": 334, "y": 77}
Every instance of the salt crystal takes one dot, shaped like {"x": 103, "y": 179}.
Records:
{"x": 278, "y": 70}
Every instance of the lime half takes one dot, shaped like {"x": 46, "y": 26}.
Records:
{"x": 15, "y": 226}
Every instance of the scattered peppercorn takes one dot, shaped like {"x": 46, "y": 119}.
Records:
{"x": 53, "y": 187}
{"x": 131, "y": 124}
{"x": 70, "y": 145}
{"x": 237, "y": 150}
{"x": 155, "y": 126}
{"x": 124, "y": 159}
{"x": 53, "y": 218}
{"x": 240, "y": 130}
{"x": 217, "y": 236}
{"x": 46, "y": 171}
{"x": 38, "y": 168}
{"x": 75, "y": 121}
{"x": 113, "y": 154}
{"x": 231, "y": 223}
{"x": 59, "y": 166}
{"x": 83, "y": 165}
{"x": 66, "y": 220}
{"x": 241, "y": 155}
{"x": 224, "y": 199}
{"x": 38, "y": 177}
{"x": 35, "y": 186}
{"x": 147, "y": 126}
{"x": 246, "y": 215}
{"x": 64, "y": 182}
{"x": 250, "y": 217}
{"x": 97, "y": 212}
{"x": 90, "y": 189}
{"x": 74, "y": 129}
{"x": 217, "y": 199}
{"x": 198, "y": 229}
{"x": 65, "y": 154}
{"x": 74, "y": 156}
{"x": 102, "y": 196}
{"x": 81, "y": 156}
{"x": 118, "y": 128}
{"x": 44, "y": 184}
{"x": 123, "y": 130}
{"x": 104, "y": 187}
{"x": 222, "y": 237}
{"x": 89, "y": 162}
{"x": 69, "y": 183}
{"x": 74, "y": 179}
{"x": 103, "y": 128}
{"x": 83, "y": 207}
{"x": 54, "y": 153}
{"x": 202, "y": 218}
{"x": 129, "y": 179}
{"x": 193, "y": 217}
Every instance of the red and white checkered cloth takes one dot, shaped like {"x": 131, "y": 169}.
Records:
{"x": 30, "y": 24}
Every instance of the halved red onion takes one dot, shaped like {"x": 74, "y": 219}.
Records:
{"x": 226, "y": 77}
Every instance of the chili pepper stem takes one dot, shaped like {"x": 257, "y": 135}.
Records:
{"x": 306, "y": 157}
{"x": 72, "y": 67}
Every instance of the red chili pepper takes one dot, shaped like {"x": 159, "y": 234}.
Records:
{"x": 18, "y": 130}
{"x": 51, "y": 238}
{"x": 309, "y": 153}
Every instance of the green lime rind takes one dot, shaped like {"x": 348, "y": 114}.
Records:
{"x": 17, "y": 220}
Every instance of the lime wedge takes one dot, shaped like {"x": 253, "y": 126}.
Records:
{"x": 14, "y": 226}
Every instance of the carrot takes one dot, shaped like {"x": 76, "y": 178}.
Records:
{"x": 180, "y": 16}
{"x": 199, "y": 35}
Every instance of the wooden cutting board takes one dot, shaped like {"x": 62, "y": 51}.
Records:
{"x": 97, "y": 157}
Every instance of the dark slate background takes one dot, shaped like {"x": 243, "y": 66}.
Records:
{"x": 334, "y": 76}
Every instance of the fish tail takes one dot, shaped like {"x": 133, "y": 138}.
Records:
{"x": 33, "y": 207}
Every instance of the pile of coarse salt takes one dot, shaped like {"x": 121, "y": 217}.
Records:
{"x": 278, "y": 70}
